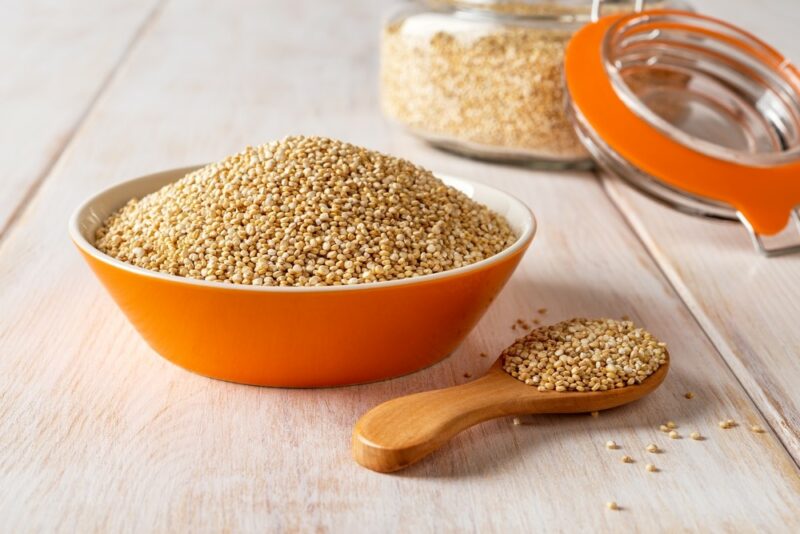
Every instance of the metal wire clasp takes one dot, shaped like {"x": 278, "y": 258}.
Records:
{"x": 772, "y": 250}
{"x": 597, "y": 8}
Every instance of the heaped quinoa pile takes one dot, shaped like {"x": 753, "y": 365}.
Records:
{"x": 585, "y": 355}
{"x": 305, "y": 211}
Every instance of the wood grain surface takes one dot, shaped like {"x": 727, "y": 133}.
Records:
{"x": 56, "y": 59}
{"x": 98, "y": 433}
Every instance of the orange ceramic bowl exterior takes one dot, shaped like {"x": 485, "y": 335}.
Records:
{"x": 301, "y": 337}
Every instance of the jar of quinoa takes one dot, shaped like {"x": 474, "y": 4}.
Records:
{"x": 484, "y": 78}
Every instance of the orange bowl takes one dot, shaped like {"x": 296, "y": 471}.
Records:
{"x": 301, "y": 336}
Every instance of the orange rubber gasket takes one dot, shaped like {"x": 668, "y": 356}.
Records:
{"x": 765, "y": 196}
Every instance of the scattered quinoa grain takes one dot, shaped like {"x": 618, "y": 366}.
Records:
{"x": 467, "y": 375}
{"x": 517, "y": 421}
{"x": 651, "y": 468}
{"x": 542, "y": 311}
{"x": 584, "y": 355}
{"x": 626, "y": 459}
{"x": 652, "y": 448}
{"x": 696, "y": 436}
{"x": 610, "y": 444}
{"x": 727, "y": 423}
{"x": 671, "y": 425}
{"x": 673, "y": 434}
{"x": 689, "y": 395}
{"x": 304, "y": 211}
{"x": 483, "y": 355}
{"x": 757, "y": 429}
{"x": 663, "y": 428}
{"x": 611, "y": 505}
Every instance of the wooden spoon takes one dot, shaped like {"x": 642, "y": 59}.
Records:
{"x": 401, "y": 431}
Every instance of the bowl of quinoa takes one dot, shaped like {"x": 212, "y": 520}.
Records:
{"x": 303, "y": 262}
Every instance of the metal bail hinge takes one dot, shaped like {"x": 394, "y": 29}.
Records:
{"x": 779, "y": 250}
{"x": 597, "y": 8}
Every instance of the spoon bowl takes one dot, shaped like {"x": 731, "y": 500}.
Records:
{"x": 404, "y": 430}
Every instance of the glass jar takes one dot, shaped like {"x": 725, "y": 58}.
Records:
{"x": 485, "y": 78}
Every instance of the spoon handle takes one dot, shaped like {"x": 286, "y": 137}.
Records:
{"x": 401, "y": 431}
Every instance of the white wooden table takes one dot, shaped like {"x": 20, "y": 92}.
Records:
{"x": 98, "y": 433}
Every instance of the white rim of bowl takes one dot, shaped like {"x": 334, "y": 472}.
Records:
{"x": 529, "y": 231}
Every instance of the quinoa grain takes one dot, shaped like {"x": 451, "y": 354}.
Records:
{"x": 304, "y": 211}
{"x": 584, "y": 355}
{"x": 500, "y": 88}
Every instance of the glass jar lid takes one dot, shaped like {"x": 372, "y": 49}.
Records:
{"x": 692, "y": 110}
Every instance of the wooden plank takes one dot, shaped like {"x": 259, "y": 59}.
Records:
{"x": 99, "y": 433}
{"x": 56, "y": 57}
{"x": 748, "y": 305}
